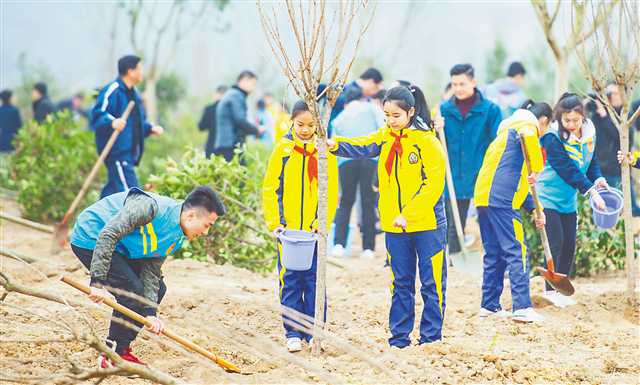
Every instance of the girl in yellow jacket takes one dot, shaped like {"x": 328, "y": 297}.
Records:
{"x": 290, "y": 201}
{"x": 411, "y": 173}
{"x": 501, "y": 189}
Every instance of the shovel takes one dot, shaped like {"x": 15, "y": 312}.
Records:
{"x": 61, "y": 231}
{"x": 471, "y": 262}
{"x": 558, "y": 281}
{"x": 226, "y": 365}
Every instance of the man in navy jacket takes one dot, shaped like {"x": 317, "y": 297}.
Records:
{"x": 470, "y": 124}
{"x": 106, "y": 117}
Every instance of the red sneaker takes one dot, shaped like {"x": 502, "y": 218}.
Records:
{"x": 128, "y": 356}
{"x": 105, "y": 363}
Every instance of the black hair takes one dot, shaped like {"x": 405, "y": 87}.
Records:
{"x": 5, "y": 96}
{"x": 516, "y": 68}
{"x": 403, "y": 83}
{"x": 568, "y": 102}
{"x": 221, "y": 89}
{"x": 379, "y": 95}
{"x": 411, "y": 97}
{"x": 203, "y": 197}
{"x": 447, "y": 87}
{"x": 246, "y": 74}
{"x": 459, "y": 69}
{"x": 299, "y": 108}
{"x": 353, "y": 93}
{"x": 126, "y": 63}
{"x": 260, "y": 104}
{"x": 373, "y": 74}
{"x": 539, "y": 109}
{"x": 41, "y": 88}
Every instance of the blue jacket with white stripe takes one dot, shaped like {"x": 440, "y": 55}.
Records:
{"x": 110, "y": 104}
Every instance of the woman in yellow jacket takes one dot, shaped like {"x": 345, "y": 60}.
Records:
{"x": 501, "y": 189}
{"x": 411, "y": 173}
{"x": 290, "y": 201}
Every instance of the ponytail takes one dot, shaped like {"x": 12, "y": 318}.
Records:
{"x": 538, "y": 109}
{"x": 411, "y": 97}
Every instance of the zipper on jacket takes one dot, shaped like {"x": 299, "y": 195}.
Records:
{"x": 302, "y": 189}
{"x": 398, "y": 180}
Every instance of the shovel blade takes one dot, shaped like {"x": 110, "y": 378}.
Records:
{"x": 558, "y": 281}
{"x": 60, "y": 235}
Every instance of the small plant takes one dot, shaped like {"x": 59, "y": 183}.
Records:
{"x": 50, "y": 164}
{"x": 240, "y": 237}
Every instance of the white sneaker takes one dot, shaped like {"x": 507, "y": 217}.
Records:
{"x": 338, "y": 251}
{"x": 484, "y": 313}
{"x": 556, "y": 298}
{"x": 294, "y": 344}
{"x": 527, "y": 315}
{"x": 368, "y": 254}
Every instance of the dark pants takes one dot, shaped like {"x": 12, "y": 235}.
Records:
{"x": 504, "y": 247}
{"x": 561, "y": 231}
{"x": 426, "y": 250}
{"x": 121, "y": 176}
{"x": 354, "y": 173}
{"x": 298, "y": 292}
{"x": 227, "y": 153}
{"x": 124, "y": 274}
{"x": 463, "y": 208}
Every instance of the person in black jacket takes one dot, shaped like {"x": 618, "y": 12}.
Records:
{"x": 232, "y": 125}
{"x": 10, "y": 121}
{"x": 208, "y": 119}
{"x": 42, "y": 105}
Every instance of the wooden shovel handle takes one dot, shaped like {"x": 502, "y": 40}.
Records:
{"x": 452, "y": 194}
{"x": 536, "y": 200}
{"x": 96, "y": 167}
{"x": 139, "y": 318}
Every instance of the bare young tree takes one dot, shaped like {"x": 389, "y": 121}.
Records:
{"x": 151, "y": 27}
{"x": 614, "y": 57}
{"x": 548, "y": 20}
{"x": 326, "y": 41}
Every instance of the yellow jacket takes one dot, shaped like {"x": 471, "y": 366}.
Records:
{"x": 411, "y": 181}
{"x": 502, "y": 181}
{"x": 290, "y": 190}
{"x": 281, "y": 122}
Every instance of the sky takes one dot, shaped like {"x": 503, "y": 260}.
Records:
{"x": 417, "y": 40}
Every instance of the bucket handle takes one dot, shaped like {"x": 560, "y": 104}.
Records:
{"x": 279, "y": 232}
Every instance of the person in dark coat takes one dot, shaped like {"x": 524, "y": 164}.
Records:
{"x": 42, "y": 105}
{"x": 74, "y": 105}
{"x": 106, "y": 116}
{"x": 10, "y": 121}
{"x": 232, "y": 125}
{"x": 208, "y": 120}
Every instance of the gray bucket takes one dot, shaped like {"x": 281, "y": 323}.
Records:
{"x": 298, "y": 247}
{"x": 608, "y": 218}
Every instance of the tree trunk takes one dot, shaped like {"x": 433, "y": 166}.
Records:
{"x": 562, "y": 76}
{"x": 323, "y": 195}
{"x": 630, "y": 261}
{"x": 151, "y": 99}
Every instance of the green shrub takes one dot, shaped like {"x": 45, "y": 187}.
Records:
{"x": 597, "y": 250}
{"x": 50, "y": 164}
{"x": 240, "y": 237}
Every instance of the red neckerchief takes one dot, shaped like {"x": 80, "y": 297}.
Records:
{"x": 312, "y": 170}
{"x": 396, "y": 148}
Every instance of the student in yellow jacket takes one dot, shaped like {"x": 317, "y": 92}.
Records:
{"x": 501, "y": 189}
{"x": 411, "y": 173}
{"x": 630, "y": 158}
{"x": 290, "y": 201}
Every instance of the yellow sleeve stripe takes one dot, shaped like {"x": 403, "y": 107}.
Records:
{"x": 152, "y": 235}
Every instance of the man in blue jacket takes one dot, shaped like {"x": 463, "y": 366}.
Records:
{"x": 470, "y": 124}
{"x": 232, "y": 125}
{"x": 10, "y": 121}
{"x": 106, "y": 117}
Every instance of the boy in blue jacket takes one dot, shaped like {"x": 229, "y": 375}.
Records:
{"x": 106, "y": 117}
